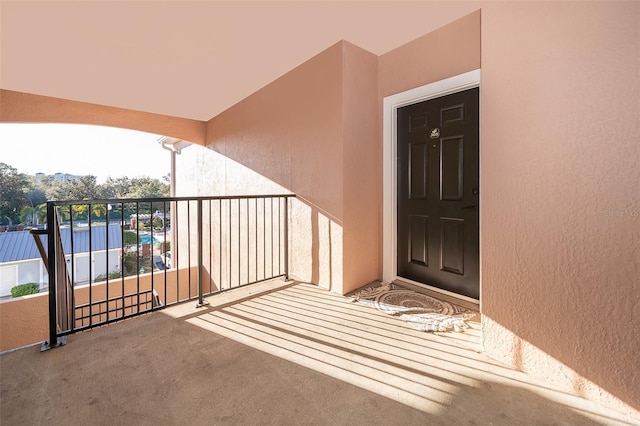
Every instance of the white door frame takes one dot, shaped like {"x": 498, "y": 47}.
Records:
{"x": 391, "y": 103}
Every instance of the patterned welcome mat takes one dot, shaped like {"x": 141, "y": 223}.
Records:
{"x": 422, "y": 312}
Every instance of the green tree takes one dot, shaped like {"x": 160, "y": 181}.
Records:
{"x": 146, "y": 187}
{"x": 85, "y": 188}
{"x": 35, "y": 193}
{"x": 130, "y": 238}
{"x": 138, "y": 187}
{"x": 82, "y": 210}
{"x": 28, "y": 214}
{"x": 12, "y": 193}
{"x": 41, "y": 212}
{"x": 117, "y": 187}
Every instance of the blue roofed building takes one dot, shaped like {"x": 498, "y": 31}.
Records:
{"x": 20, "y": 260}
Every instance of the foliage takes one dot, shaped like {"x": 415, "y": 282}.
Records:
{"x": 82, "y": 210}
{"x": 35, "y": 215}
{"x": 130, "y": 263}
{"x": 111, "y": 275}
{"x": 27, "y": 214}
{"x": 117, "y": 187}
{"x": 84, "y": 188}
{"x": 138, "y": 187}
{"x": 36, "y": 194}
{"x": 145, "y": 187}
{"x": 41, "y": 210}
{"x": 13, "y": 187}
{"x": 25, "y": 289}
{"x": 130, "y": 238}
{"x": 18, "y": 191}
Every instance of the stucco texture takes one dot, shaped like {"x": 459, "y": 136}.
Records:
{"x": 560, "y": 200}
{"x": 313, "y": 132}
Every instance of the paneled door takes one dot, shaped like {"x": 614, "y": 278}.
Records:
{"x": 438, "y": 192}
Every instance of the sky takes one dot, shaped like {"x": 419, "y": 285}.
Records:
{"x": 82, "y": 150}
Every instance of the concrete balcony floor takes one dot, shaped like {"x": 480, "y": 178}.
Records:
{"x": 278, "y": 354}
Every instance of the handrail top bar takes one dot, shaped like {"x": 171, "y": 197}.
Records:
{"x": 167, "y": 199}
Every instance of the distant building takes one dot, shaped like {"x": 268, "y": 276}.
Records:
{"x": 56, "y": 177}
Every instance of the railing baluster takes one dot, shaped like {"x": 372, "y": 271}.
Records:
{"x": 279, "y": 234}
{"x": 201, "y": 300}
{"x": 272, "y": 269}
{"x": 256, "y": 236}
{"x": 248, "y": 245}
{"x": 175, "y": 252}
{"x": 164, "y": 247}
{"x": 286, "y": 238}
{"x": 220, "y": 245}
{"x": 137, "y": 257}
{"x": 189, "y": 246}
{"x": 229, "y": 248}
{"x": 151, "y": 247}
{"x": 106, "y": 252}
{"x": 122, "y": 257}
{"x": 210, "y": 275}
{"x": 264, "y": 238}
{"x": 239, "y": 243}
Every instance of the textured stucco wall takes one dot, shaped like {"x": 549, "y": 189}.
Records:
{"x": 287, "y": 137}
{"x": 451, "y": 50}
{"x": 313, "y": 132}
{"x": 18, "y": 107}
{"x": 290, "y": 132}
{"x": 362, "y": 153}
{"x": 24, "y": 321}
{"x": 560, "y": 198}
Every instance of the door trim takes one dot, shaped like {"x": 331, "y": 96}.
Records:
{"x": 391, "y": 103}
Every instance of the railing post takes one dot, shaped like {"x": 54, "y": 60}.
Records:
{"x": 201, "y": 301}
{"x": 286, "y": 238}
{"x": 52, "y": 230}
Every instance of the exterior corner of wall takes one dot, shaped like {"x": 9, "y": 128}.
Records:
{"x": 362, "y": 153}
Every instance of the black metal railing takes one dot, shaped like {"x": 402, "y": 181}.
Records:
{"x": 112, "y": 259}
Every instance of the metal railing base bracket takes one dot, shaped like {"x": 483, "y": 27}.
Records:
{"x": 61, "y": 341}
{"x": 203, "y": 303}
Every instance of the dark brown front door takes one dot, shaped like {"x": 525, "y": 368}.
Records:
{"x": 438, "y": 192}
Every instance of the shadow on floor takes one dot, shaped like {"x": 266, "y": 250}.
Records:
{"x": 291, "y": 357}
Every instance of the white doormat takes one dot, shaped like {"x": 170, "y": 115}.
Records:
{"x": 422, "y": 312}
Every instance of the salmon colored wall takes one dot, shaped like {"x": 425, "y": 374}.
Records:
{"x": 560, "y": 197}
{"x": 24, "y": 321}
{"x": 296, "y": 134}
{"x": 287, "y": 135}
{"x": 451, "y": 50}
{"x": 362, "y": 156}
{"x": 291, "y": 131}
{"x": 18, "y": 107}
